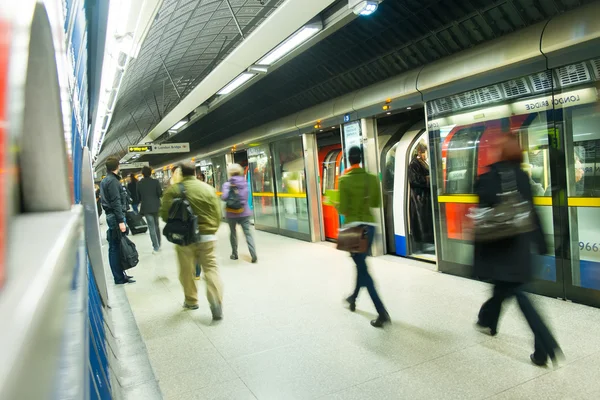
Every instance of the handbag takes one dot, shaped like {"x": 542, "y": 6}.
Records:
{"x": 355, "y": 239}
{"x": 510, "y": 217}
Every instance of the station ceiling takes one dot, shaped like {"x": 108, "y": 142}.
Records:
{"x": 400, "y": 36}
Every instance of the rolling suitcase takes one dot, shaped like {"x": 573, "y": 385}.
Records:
{"x": 136, "y": 223}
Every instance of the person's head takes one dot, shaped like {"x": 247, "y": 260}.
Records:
{"x": 422, "y": 150}
{"x": 201, "y": 177}
{"x": 235, "y": 170}
{"x": 355, "y": 155}
{"x": 510, "y": 149}
{"x": 112, "y": 164}
{"x": 132, "y": 178}
{"x": 187, "y": 169}
{"x": 146, "y": 172}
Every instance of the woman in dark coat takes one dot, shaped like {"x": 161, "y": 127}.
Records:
{"x": 421, "y": 217}
{"x": 508, "y": 262}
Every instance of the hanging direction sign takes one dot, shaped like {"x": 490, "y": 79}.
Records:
{"x": 162, "y": 148}
{"x": 135, "y": 165}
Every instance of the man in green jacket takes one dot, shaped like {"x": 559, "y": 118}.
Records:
{"x": 207, "y": 207}
{"x": 359, "y": 192}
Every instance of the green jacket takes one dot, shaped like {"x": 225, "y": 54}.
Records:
{"x": 359, "y": 192}
{"x": 202, "y": 198}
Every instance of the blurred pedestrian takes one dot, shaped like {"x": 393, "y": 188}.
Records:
{"x": 359, "y": 192}
{"x": 206, "y": 206}
{"x": 508, "y": 262}
{"x": 149, "y": 192}
{"x": 132, "y": 188}
{"x": 235, "y": 195}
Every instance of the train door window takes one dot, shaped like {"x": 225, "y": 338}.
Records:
{"x": 331, "y": 171}
{"x": 292, "y": 202}
{"x": 219, "y": 172}
{"x": 461, "y": 160}
{"x": 419, "y": 204}
{"x": 581, "y": 125}
{"x": 263, "y": 193}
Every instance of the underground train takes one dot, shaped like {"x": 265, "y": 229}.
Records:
{"x": 540, "y": 84}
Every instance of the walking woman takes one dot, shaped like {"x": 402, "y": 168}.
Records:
{"x": 359, "y": 192}
{"x": 235, "y": 194}
{"x": 508, "y": 262}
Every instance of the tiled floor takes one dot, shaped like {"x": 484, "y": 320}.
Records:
{"x": 286, "y": 334}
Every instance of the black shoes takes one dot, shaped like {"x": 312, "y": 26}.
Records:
{"x": 217, "y": 312}
{"x": 254, "y": 260}
{"x": 190, "y": 306}
{"x": 480, "y": 326}
{"x": 351, "y": 303}
{"x": 233, "y": 257}
{"x": 381, "y": 321}
{"x": 539, "y": 363}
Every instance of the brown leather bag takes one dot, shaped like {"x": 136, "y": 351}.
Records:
{"x": 355, "y": 239}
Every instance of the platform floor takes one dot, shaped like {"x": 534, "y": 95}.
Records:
{"x": 286, "y": 334}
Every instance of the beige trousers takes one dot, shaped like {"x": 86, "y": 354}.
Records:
{"x": 205, "y": 254}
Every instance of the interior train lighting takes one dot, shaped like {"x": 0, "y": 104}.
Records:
{"x": 386, "y": 107}
{"x": 236, "y": 83}
{"x": 291, "y": 43}
{"x": 364, "y": 7}
{"x": 179, "y": 125}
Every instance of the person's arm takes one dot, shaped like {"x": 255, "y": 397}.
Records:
{"x": 374, "y": 193}
{"x": 167, "y": 201}
{"x": 113, "y": 194}
{"x": 159, "y": 191}
{"x": 225, "y": 191}
{"x": 343, "y": 189}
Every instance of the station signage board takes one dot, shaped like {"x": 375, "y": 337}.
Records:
{"x": 135, "y": 165}
{"x": 160, "y": 148}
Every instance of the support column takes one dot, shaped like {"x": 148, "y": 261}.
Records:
{"x": 372, "y": 165}
{"x": 313, "y": 192}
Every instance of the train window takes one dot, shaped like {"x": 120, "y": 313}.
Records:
{"x": 390, "y": 164}
{"x": 461, "y": 160}
{"x": 581, "y": 128}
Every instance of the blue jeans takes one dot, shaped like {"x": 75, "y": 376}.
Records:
{"x": 154, "y": 229}
{"x": 135, "y": 207}
{"x": 113, "y": 236}
{"x": 363, "y": 277}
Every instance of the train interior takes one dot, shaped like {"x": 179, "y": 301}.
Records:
{"x": 331, "y": 166}
{"x": 407, "y": 201}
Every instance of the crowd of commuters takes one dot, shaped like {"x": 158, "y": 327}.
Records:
{"x": 506, "y": 262}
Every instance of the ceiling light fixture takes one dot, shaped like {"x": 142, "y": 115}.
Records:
{"x": 408, "y": 108}
{"x": 258, "y": 69}
{"x": 363, "y": 7}
{"x": 236, "y": 83}
{"x": 179, "y": 125}
{"x": 293, "y": 42}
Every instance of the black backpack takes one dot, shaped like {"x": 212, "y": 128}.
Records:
{"x": 129, "y": 254}
{"x": 233, "y": 204}
{"x": 182, "y": 224}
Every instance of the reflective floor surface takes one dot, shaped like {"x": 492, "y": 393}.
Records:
{"x": 286, "y": 334}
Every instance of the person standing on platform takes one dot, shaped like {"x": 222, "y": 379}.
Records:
{"x": 235, "y": 194}
{"x": 206, "y": 206}
{"x": 132, "y": 188}
{"x": 508, "y": 262}
{"x": 114, "y": 202}
{"x": 359, "y": 192}
{"x": 149, "y": 192}
{"x": 421, "y": 214}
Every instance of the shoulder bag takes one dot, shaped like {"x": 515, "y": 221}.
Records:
{"x": 510, "y": 217}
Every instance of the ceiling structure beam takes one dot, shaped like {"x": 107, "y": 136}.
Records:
{"x": 288, "y": 18}
{"x": 235, "y": 19}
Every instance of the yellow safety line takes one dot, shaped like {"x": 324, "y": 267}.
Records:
{"x": 474, "y": 199}
{"x": 584, "y": 201}
{"x": 459, "y": 198}
{"x": 288, "y": 195}
{"x": 292, "y": 195}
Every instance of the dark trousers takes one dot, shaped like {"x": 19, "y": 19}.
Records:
{"x": 135, "y": 207}
{"x": 363, "y": 277}
{"x": 489, "y": 314}
{"x": 113, "y": 236}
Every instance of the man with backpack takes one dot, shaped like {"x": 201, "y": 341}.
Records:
{"x": 194, "y": 236}
{"x": 235, "y": 195}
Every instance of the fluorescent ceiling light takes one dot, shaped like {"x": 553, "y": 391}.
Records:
{"x": 236, "y": 83}
{"x": 290, "y": 44}
{"x": 179, "y": 125}
{"x": 366, "y": 7}
{"x": 258, "y": 69}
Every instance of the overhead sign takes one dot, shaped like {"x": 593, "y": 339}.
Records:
{"x": 139, "y": 149}
{"x": 135, "y": 165}
{"x": 171, "y": 148}
{"x": 160, "y": 148}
